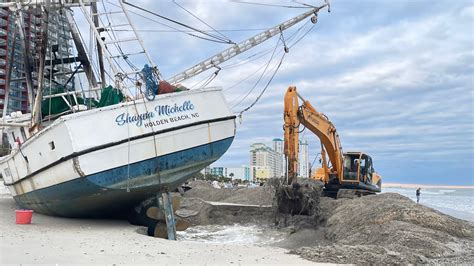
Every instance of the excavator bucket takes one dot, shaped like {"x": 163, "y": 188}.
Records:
{"x": 299, "y": 199}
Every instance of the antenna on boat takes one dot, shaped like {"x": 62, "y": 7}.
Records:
{"x": 100, "y": 54}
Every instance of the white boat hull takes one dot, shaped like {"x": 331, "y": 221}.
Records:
{"x": 98, "y": 162}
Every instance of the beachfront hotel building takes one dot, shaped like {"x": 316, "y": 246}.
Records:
{"x": 278, "y": 146}
{"x": 12, "y": 54}
{"x": 265, "y": 162}
{"x": 303, "y": 157}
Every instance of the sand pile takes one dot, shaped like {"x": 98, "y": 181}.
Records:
{"x": 199, "y": 207}
{"x": 389, "y": 228}
{"x": 384, "y": 228}
{"x": 199, "y": 212}
{"x": 244, "y": 195}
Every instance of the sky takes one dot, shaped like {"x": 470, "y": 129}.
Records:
{"x": 395, "y": 77}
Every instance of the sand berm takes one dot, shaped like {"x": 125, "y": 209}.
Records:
{"x": 383, "y": 228}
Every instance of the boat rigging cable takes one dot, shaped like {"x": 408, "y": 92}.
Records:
{"x": 261, "y": 75}
{"x": 256, "y": 57}
{"x": 265, "y": 88}
{"x": 117, "y": 45}
{"x": 275, "y": 72}
{"x": 253, "y": 57}
{"x": 292, "y": 36}
{"x": 187, "y": 31}
{"x": 173, "y": 29}
{"x": 112, "y": 37}
{"x": 65, "y": 32}
{"x": 125, "y": 57}
{"x": 265, "y": 4}
{"x": 121, "y": 77}
{"x": 189, "y": 12}
{"x": 211, "y": 37}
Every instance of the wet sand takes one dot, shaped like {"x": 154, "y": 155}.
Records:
{"x": 50, "y": 240}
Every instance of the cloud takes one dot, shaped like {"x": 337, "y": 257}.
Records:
{"x": 401, "y": 91}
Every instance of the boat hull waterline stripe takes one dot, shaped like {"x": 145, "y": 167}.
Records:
{"x": 118, "y": 189}
{"x": 107, "y": 145}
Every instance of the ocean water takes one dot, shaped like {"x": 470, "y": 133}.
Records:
{"x": 458, "y": 203}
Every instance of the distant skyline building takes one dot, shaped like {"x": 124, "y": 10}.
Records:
{"x": 265, "y": 162}
{"x": 303, "y": 160}
{"x": 278, "y": 146}
{"x": 242, "y": 172}
{"x": 59, "y": 41}
{"x": 217, "y": 171}
{"x": 268, "y": 162}
{"x": 239, "y": 172}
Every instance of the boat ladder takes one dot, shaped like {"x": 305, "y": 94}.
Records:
{"x": 118, "y": 40}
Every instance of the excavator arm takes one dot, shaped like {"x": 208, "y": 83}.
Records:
{"x": 291, "y": 143}
{"x": 317, "y": 123}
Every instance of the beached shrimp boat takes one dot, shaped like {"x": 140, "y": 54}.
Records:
{"x": 74, "y": 156}
{"x": 106, "y": 159}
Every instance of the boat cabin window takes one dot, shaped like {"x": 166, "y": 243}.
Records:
{"x": 51, "y": 145}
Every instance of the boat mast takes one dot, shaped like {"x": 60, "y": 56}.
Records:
{"x": 81, "y": 50}
{"x": 95, "y": 19}
{"x": 36, "y": 112}
{"x": 243, "y": 46}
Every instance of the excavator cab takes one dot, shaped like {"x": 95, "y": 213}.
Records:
{"x": 359, "y": 173}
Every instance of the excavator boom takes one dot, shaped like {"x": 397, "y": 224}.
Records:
{"x": 291, "y": 144}
{"x": 306, "y": 115}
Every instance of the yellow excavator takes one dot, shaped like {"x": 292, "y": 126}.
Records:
{"x": 350, "y": 171}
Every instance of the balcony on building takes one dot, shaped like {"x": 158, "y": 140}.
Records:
{"x": 3, "y": 42}
{"x": 2, "y": 72}
{"x": 3, "y": 62}
{"x": 2, "y": 81}
{"x": 3, "y": 32}
{"x": 3, "y": 52}
{"x": 16, "y": 97}
{"x": 53, "y": 28}
{"x": 3, "y": 12}
{"x": 3, "y": 22}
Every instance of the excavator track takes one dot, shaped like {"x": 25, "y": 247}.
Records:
{"x": 352, "y": 193}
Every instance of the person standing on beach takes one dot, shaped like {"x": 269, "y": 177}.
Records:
{"x": 418, "y": 195}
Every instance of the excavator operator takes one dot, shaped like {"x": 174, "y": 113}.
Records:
{"x": 355, "y": 165}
